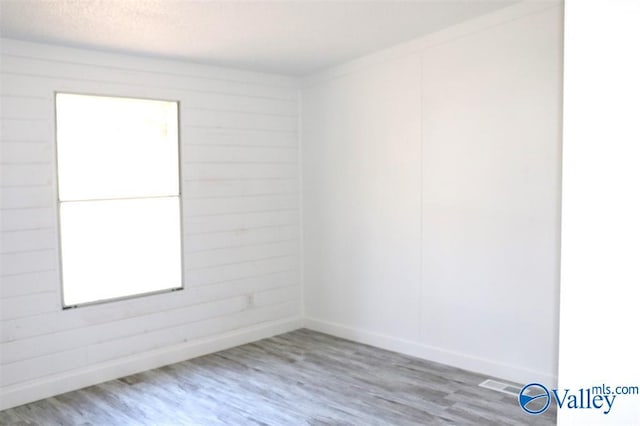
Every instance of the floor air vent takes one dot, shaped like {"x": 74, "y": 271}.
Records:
{"x": 495, "y": 385}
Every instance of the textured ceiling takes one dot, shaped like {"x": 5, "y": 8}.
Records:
{"x": 290, "y": 37}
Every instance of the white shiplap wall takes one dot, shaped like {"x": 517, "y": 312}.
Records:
{"x": 240, "y": 211}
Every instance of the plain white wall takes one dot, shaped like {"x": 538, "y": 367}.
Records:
{"x": 431, "y": 195}
{"x": 239, "y": 149}
{"x": 491, "y": 187}
{"x": 600, "y": 319}
{"x": 361, "y": 165}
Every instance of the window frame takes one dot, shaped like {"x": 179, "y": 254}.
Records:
{"x": 59, "y": 202}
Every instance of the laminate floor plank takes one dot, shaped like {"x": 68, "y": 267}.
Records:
{"x": 298, "y": 378}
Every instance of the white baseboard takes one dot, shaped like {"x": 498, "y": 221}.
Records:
{"x": 12, "y": 396}
{"x": 443, "y": 356}
{"x": 19, "y": 394}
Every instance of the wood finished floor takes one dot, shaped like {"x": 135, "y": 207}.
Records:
{"x": 298, "y": 378}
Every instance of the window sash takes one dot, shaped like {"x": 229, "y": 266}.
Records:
{"x": 98, "y": 254}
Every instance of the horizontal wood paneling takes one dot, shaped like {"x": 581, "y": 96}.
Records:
{"x": 29, "y": 283}
{"x": 23, "y": 107}
{"x": 250, "y": 252}
{"x": 196, "y": 243}
{"x": 25, "y": 130}
{"x": 276, "y": 295}
{"x": 19, "y": 153}
{"x": 27, "y": 218}
{"x": 19, "y": 86}
{"x": 21, "y": 197}
{"x": 26, "y": 174}
{"x": 226, "y": 222}
{"x": 47, "y": 69}
{"x": 240, "y": 189}
{"x": 234, "y": 271}
{"x": 132, "y": 310}
{"x": 24, "y": 371}
{"x": 226, "y": 154}
{"x": 217, "y": 171}
{"x": 237, "y": 120}
{"x": 250, "y": 204}
{"x": 33, "y": 239}
{"x": 159, "y": 66}
{"x": 80, "y": 337}
{"x": 39, "y": 367}
{"x": 235, "y": 137}
{"x": 29, "y": 304}
{"x": 27, "y": 262}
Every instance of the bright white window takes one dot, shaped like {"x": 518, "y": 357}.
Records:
{"x": 119, "y": 197}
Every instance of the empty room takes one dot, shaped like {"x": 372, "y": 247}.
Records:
{"x": 319, "y": 212}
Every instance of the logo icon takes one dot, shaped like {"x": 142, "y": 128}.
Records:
{"x": 534, "y": 398}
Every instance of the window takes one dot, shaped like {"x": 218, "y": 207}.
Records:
{"x": 119, "y": 197}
